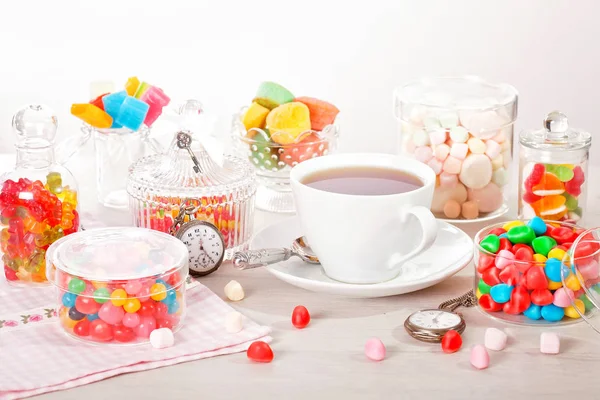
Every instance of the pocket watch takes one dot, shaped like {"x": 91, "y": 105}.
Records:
{"x": 430, "y": 325}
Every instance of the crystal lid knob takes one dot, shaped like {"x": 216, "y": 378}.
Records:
{"x": 556, "y": 122}
{"x": 35, "y": 122}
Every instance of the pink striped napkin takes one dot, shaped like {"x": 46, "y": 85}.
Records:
{"x": 37, "y": 357}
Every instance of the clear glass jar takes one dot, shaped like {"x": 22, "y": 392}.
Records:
{"x": 116, "y": 285}
{"x": 273, "y": 161}
{"x": 38, "y": 199}
{"x": 553, "y": 171}
{"x": 462, "y": 127}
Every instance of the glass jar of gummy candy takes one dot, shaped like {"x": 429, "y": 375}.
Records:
{"x": 116, "y": 285}
{"x": 158, "y": 186}
{"x": 553, "y": 170}
{"x": 518, "y": 272}
{"x": 38, "y": 199}
{"x": 462, "y": 127}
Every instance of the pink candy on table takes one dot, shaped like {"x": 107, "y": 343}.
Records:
{"x": 549, "y": 343}
{"x": 375, "y": 349}
{"x": 479, "y": 358}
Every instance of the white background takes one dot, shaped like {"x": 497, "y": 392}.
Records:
{"x": 352, "y": 53}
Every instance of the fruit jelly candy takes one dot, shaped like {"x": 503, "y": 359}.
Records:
{"x": 573, "y": 188}
{"x": 550, "y": 205}
{"x": 255, "y": 116}
{"x": 92, "y": 115}
{"x": 451, "y": 341}
{"x": 288, "y": 121}
{"x": 537, "y": 173}
{"x": 98, "y": 101}
{"x": 132, "y": 113}
{"x": 564, "y": 174}
{"x": 112, "y": 105}
{"x": 322, "y": 113}
{"x": 132, "y": 85}
{"x": 272, "y": 95}
{"x": 141, "y": 90}
{"x": 156, "y": 99}
{"x": 548, "y": 186}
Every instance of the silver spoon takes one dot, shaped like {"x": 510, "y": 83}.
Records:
{"x": 259, "y": 258}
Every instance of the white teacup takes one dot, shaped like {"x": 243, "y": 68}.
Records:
{"x": 365, "y": 238}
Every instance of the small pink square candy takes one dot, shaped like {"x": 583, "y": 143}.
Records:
{"x": 375, "y": 349}
{"x": 495, "y": 339}
{"x": 423, "y": 153}
{"x": 437, "y": 136}
{"x": 448, "y": 180}
{"x": 480, "y": 358}
{"x": 436, "y": 165}
{"x": 452, "y": 165}
{"x": 549, "y": 343}
{"x": 492, "y": 149}
{"x": 459, "y": 150}
{"x": 442, "y": 151}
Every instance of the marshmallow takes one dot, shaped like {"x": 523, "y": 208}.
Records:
{"x": 492, "y": 149}
{"x": 431, "y": 123}
{"x": 234, "y": 291}
{"x": 442, "y": 151}
{"x": 449, "y": 120}
{"x": 162, "y": 338}
{"x": 452, "y": 165}
{"x": 437, "y": 136}
{"x": 423, "y": 153}
{"x": 375, "y": 349}
{"x": 498, "y": 162}
{"x": 436, "y": 165}
{"x": 489, "y": 198}
{"x": 549, "y": 343}
{"x": 506, "y": 146}
{"x": 459, "y": 150}
{"x": 483, "y": 125}
{"x": 506, "y": 158}
{"x": 233, "y": 322}
{"x": 442, "y": 194}
{"x": 420, "y": 138}
{"x": 476, "y": 171}
{"x": 469, "y": 210}
{"x": 500, "y": 177}
{"x": 476, "y": 145}
{"x": 495, "y": 339}
{"x": 459, "y": 134}
{"x": 480, "y": 358}
{"x": 448, "y": 180}
{"x": 452, "y": 208}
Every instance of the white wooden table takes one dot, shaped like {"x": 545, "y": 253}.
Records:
{"x": 326, "y": 359}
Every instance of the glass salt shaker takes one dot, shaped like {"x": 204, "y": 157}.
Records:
{"x": 38, "y": 199}
{"x": 553, "y": 170}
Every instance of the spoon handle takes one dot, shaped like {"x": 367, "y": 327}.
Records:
{"x": 259, "y": 258}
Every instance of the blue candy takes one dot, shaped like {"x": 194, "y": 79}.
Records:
{"x": 171, "y": 297}
{"x": 504, "y": 235}
{"x": 132, "y": 113}
{"x": 92, "y": 317}
{"x": 112, "y": 104}
{"x": 501, "y": 293}
{"x": 538, "y": 225}
{"x": 68, "y": 299}
{"x": 552, "y": 269}
{"x": 533, "y": 312}
{"x": 552, "y": 313}
{"x": 173, "y": 307}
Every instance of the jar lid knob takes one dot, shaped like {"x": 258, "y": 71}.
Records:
{"x": 556, "y": 123}
{"x": 35, "y": 123}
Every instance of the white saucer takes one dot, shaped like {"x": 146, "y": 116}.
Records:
{"x": 450, "y": 253}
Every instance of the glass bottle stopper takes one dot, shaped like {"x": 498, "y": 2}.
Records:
{"x": 35, "y": 125}
{"x": 556, "y": 125}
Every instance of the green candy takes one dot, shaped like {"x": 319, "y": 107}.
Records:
{"x": 483, "y": 287}
{"x": 76, "y": 286}
{"x": 264, "y": 153}
{"x": 271, "y": 95}
{"x": 543, "y": 244}
{"x": 564, "y": 174}
{"x": 588, "y": 304}
{"x": 572, "y": 203}
{"x": 521, "y": 234}
{"x": 596, "y": 288}
{"x": 490, "y": 243}
{"x": 550, "y": 168}
{"x": 101, "y": 295}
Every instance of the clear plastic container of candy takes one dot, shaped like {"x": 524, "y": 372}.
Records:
{"x": 116, "y": 285}
{"x": 518, "y": 276}
{"x": 38, "y": 199}
{"x": 462, "y": 127}
{"x": 160, "y": 184}
{"x": 553, "y": 170}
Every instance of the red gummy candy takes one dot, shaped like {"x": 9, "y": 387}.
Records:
{"x": 519, "y": 301}
{"x": 510, "y": 275}
{"x": 563, "y": 234}
{"x": 535, "y": 278}
{"x": 10, "y": 274}
{"x": 573, "y": 188}
{"x": 300, "y": 317}
{"x": 488, "y": 304}
{"x": 541, "y": 297}
{"x": 98, "y": 101}
{"x": 260, "y": 351}
{"x": 82, "y": 328}
{"x": 497, "y": 231}
{"x": 537, "y": 173}
{"x": 505, "y": 244}
{"x": 123, "y": 334}
{"x": 491, "y": 276}
{"x": 485, "y": 261}
{"x": 451, "y": 341}
{"x": 578, "y": 175}
{"x": 530, "y": 198}
{"x": 523, "y": 258}
{"x": 101, "y": 331}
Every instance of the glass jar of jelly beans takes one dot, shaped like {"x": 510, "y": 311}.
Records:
{"x": 462, "y": 128}
{"x": 553, "y": 171}
{"x": 38, "y": 199}
{"x": 519, "y": 273}
{"x": 116, "y": 285}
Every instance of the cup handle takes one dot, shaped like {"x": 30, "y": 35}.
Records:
{"x": 428, "y": 226}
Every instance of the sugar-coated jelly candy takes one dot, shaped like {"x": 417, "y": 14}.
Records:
{"x": 112, "y": 105}
{"x": 375, "y": 349}
{"x": 451, "y": 341}
{"x": 156, "y": 100}
{"x": 92, "y": 115}
{"x": 549, "y": 343}
{"x": 300, "y": 317}
{"x": 260, "y": 351}
{"x": 132, "y": 113}
{"x": 132, "y": 85}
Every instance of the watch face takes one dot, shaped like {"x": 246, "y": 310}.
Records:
{"x": 434, "y": 319}
{"x": 205, "y": 246}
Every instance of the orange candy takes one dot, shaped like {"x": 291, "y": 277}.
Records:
{"x": 549, "y": 185}
{"x": 550, "y": 206}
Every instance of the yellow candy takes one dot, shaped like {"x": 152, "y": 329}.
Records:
{"x": 556, "y": 253}
{"x": 512, "y": 224}
{"x": 554, "y": 285}
{"x": 478, "y": 293}
{"x": 255, "y": 116}
{"x": 288, "y": 121}
{"x": 158, "y": 292}
{"x": 539, "y": 258}
{"x": 118, "y": 297}
{"x": 573, "y": 282}
{"x": 132, "y": 305}
{"x": 98, "y": 284}
{"x": 571, "y": 312}
{"x": 132, "y": 85}
{"x": 65, "y": 320}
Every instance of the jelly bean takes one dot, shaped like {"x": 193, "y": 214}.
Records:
{"x": 86, "y": 305}
{"x": 111, "y": 314}
{"x": 510, "y": 275}
{"x": 145, "y": 327}
{"x": 133, "y": 287}
{"x": 92, "y": 317}
{"x": 563, "y": 234}
{"x": 147, "y": 309}
{"x": 483, "y": 287}
{"x": 549, "y": 343}
{"x": 101, "y": 331}
{"x": 574, "y": 311}
{"x": 131, "y": 320}
{"x": 479, "y": 357}
{"x": 519, "y": 301}
{"x": 144, "y": 294}
{"x": 553, "y": 269}
{"x": 521, "y": 234}
{"x": 535, "y": 278}
{"x": 497, "y": 231}
{"x": 76, "y": 285}
{"x": 552, "y": 313}
{"x": 556, "y": 253}
{"x": 488, "y": 304}
{"x": 162, "y": 338}
{"x": 118, "y": 297}
{"x": 82, "y": 328}
{"x": 538, "y": 225}
{"x": 562, "y": 297}
{"x": 158, "y": 291}
{"x": 260, "y": 351}
{"x": 573, "y": 281}
{"x": 491, "y": 276}
{"x": 451, "y": 341}
{"x": 540, "y": 259}
{"x": 300, "y": 317}
{"x": 543, "y": 244}
{"x": 541, "y": 297}
{"x": 505, "y": 244}
{"x": 168, "y": 323}
{"x": 509, "y": 225}
{"x": 160, "y": 310}
{"x": 495, "y": 339}
{"x": 123, "y": 334}
{"x": 501, "y": 293}
{"x": 504, "y": 258}
{"x": 75, "y": 315}
{"x": 375, "y": 349}
{"x": 490, "y": 243}
{"x": 101, "y": 295}
{"x": 173, "y": 307}
{"x": 533, "y": 312}
{"x": 131, "y": 305}
{"x": 171, "y": 297}
{"x": 484, "y": 262}
{"x": 68, "y": 299}
{"x": 552, "y": 285}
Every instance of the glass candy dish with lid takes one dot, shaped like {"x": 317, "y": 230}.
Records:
{"x": 220, "y": 189}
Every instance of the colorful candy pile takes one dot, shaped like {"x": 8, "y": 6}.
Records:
{"x": 519, "y": 271}
{"x": 284, "y": 129}
{"x": 34, "y": 216}
{"x": 553, "y": 191}
{"x": 120, "y": 311}
{"x": 140, "y": 103}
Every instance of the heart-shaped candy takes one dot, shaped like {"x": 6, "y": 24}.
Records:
{"x": 488, "y": 304}
{"x": 541, "y": 297}
{"x": 260, "y": 351}
{"x": 562, "y": 297}
{"x": 523, "y": 259}
{"x": 485, "y": 261}
{"x": 562, "y": 234}
{"x": 589, "y": 269}
{"x": 535, "y": 278}
{"x": 510, "y": 275}
{"x": 490, "y": 243}
{"x": 451, "y": 341}
{"x": 504, "y": 258}
{"x": 533, "y": 312}
{"x": 497, "y": 231}
{"x": 519, "y": 301}
{"x": 505, "y": 244}
{"x": 501, "y": 293}
{"x": 491, "y": 276}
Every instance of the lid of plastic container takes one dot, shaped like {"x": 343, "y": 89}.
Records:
{"x": 119, "y": 253}
{"x": 555, "y": 135}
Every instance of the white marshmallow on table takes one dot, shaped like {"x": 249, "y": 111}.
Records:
{"x": 423, "y": 153}
{"x": 495, "y": 339}
{"x": 459, "y": 134}
{"x": 492, "y": 149}
{"x": 162, "y": 338}
{"x": 234, "y": 291}
{"x": 476, "y": 171}
{"x": 436, "y": 165}
{"x": 437, "y": 136}
{"x": 459, "y": 150}
{"x": 500, "y": 177}
{"x": 476, "y": 145}
{"x": 549, "y": 343}
{"x": 442, "y": 194}
{"x": 420, "y": 138}
{"x": 233, "y": 322}
{"x": 452, "y": 165}
{"x": 448, "y": 119}
{"x": 498, "y": 162}
{"x": 441, "y": 151}
{"x": 431, "y": 123}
